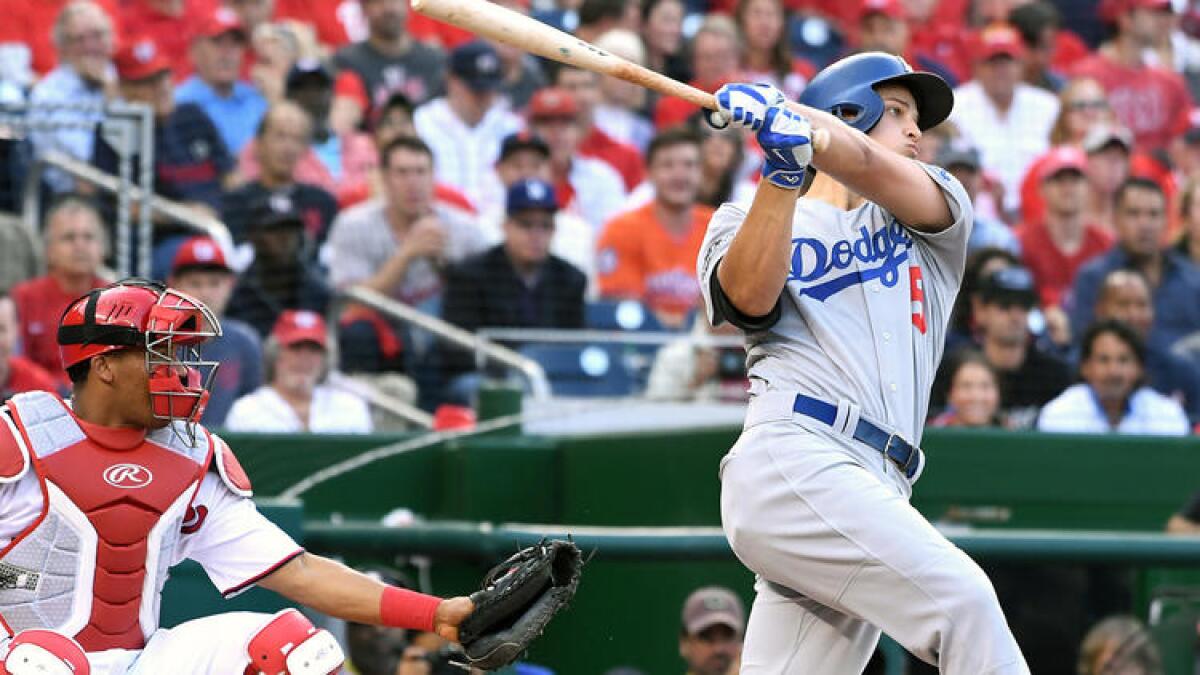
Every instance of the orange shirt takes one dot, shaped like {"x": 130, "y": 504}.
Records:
{"x": 638, "y": 258}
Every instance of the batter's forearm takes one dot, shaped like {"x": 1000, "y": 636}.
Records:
{"x": 878, "y": 174}
{"x": 756, "y": 266}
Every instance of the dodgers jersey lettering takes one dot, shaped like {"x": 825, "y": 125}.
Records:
{"x": 865, "y": 307}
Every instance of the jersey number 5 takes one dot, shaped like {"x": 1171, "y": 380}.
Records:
{"x": 916, "y": 285}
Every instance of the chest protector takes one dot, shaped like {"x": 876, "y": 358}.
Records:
{"x": 93, "y": 564}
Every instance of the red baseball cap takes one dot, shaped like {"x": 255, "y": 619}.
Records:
{"x": 999, "y": 39}
{"x": 553, "y": 103}
{"x": 300, "y": 325}
{"x": 1063, "y": 158}
{"x": 891, "y": 8}
{"x": 220, "y": 21}
{"x": 199, "y": 253}
{"x": 140, "y": 60}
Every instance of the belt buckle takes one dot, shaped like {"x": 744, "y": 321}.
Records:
{"x": 887, "y": 452}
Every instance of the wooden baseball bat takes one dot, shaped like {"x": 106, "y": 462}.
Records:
{"x": 528, "y": 34}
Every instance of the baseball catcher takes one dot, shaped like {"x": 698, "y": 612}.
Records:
{"x": 101, "y": 494}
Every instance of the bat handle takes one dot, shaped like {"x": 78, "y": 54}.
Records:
{"x": 820, "y": 137}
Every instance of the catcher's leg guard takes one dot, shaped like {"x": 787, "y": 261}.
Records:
{"x": 290, "y": 645}
{"x": 44, "y": 652}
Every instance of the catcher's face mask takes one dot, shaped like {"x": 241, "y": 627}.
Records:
{"x": 169, "y": 325}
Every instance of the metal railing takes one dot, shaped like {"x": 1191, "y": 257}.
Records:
{"x": 539, "y": 385}
{"x": 193, "y": 219}
{"x": 492, "y": 541}
{"x": 129, "y": 129}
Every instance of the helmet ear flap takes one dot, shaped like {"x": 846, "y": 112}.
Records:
{"x": 848, "y": 112}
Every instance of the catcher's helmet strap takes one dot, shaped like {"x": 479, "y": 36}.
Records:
{"x": 91, "y": 334}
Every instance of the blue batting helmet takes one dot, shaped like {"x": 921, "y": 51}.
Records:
{"x": 847, "y": 89}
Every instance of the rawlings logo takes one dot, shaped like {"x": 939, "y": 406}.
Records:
{"x": 814, "y": 261}
{"x": 128, "y": 476}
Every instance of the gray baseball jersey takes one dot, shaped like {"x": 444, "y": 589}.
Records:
{"x": 866, "y": 305}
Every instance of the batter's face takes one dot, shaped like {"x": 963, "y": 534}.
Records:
{"x": 711, "y": 651}
{"x": 897, "y": 129}
{"x": 1112, "y": 369}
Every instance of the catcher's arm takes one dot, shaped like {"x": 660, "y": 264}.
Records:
{"x": 334, "y": 589}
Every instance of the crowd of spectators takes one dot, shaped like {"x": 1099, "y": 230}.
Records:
{"x": 354, "y": 143}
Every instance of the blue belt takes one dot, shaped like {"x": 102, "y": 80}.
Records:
{"x": 893, "y": 446}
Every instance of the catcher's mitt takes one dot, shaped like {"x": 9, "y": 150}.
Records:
{"x": 518, "y": 598}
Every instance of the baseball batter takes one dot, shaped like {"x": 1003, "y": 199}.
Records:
{"x": 101, "y": 495}
{"x": 844, "y": 296}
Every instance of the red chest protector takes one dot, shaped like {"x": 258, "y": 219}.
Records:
{"x": 120, "y": 503}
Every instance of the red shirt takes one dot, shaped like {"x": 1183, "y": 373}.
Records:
{"x": 430, "y": 30}
{"x": 25, "y": 375}
{"x": 32, "y": 22}
{"x": 621, "y": 156}
{"x": 1054, "y": 271}
{"x": 40, "y": 303}
{"x": 1153, "y": 102}
{"x": 337, "y": 22}
{"x": 171, "y": 34}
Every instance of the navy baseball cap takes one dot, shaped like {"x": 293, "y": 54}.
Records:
{"x": 531, "y": 193}
{"x": 522, "y": 140}
{"x": 308, "y": 70}
{"x": 477, "y": 64}
{"x": 1009, "y": 285}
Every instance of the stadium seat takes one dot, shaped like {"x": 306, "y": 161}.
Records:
{"x": 583, "y": 370}
{"x": 620, "y": 315}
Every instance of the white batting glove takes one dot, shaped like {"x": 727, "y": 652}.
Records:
{"x": 786, "y": 141}
{"x": 746, "y": 105}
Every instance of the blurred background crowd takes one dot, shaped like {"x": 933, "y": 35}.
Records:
{"x": 353, "y": 143}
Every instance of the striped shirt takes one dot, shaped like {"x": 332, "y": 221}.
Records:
{"x": 463, "y": 156}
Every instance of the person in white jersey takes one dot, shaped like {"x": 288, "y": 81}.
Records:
{"x": 102, "y": 494}
{"x": 844, "y": 296}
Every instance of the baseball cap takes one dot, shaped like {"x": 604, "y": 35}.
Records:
{"x": 477, "y": 64}
{"x": 199, "y": 253}
{"x": 220, "y": 21}
{"x": 276, "y": 210}
{"x": 952, "y": 155}
{"x": 999, "y": 39}
{"x": 1013, "y": 284}
{"x": 1062, "y": 158}
{"x": 891, "y": 8}
{"x": 522, "y": 140}
{"x": 553, "y": 103}
{"x": 1101, "y": 136}
{"x": 308, "y": 69}
{"x": 713, "y": 606}
{"x": 530, "y": 193}
{"x": 300, "y": 325}
{"x": 140, "y": 60}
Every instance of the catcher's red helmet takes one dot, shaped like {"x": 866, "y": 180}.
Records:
{"x": 168, "y": 325}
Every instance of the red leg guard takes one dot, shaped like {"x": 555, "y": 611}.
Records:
{"x": 44, "y": 652}
{"x": 290, "y": 645}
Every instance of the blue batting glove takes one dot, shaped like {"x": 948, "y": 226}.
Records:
{"x": 786, "y": 141}
{"x": 746, "y": 105}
